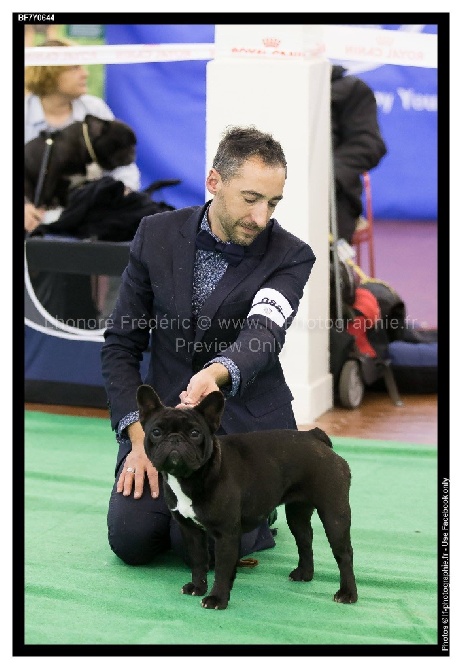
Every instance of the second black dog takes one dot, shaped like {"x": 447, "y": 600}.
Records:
{"x": 226, "y": 486}
{"x": 112, "y": 143}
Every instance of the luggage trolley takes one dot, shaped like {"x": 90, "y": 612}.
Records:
{"x": 351, "y": 369}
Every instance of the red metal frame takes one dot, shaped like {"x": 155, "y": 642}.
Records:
{"x": 363, "y": 235}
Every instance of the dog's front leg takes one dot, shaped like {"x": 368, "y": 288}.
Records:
{"x": 195, "y": 539}
{"x": 226, "y": 559}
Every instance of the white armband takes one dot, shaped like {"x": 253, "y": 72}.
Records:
{"x": 272, "y": 304}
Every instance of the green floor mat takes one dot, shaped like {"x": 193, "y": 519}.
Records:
{"x": 77, "y": 592}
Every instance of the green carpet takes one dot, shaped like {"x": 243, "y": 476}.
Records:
{"x": 78, "y": 593}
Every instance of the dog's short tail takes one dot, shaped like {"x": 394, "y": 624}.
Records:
{"x": 318, "y": 432}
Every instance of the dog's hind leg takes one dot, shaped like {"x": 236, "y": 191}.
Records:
{"x": 298, "y": 515}
{"x": 336, "y": 523}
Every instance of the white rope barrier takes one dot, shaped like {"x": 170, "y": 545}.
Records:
{"x": 394, "y": 47}
{"x": 120, "y": 53}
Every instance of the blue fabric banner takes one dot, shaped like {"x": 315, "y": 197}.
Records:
{"x": 165, "y": 103}
{"x": 49, "y": 358}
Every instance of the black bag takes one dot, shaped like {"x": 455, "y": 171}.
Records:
{"x": 412, "y": 352}
{"x": 393, "y": 314}
{"x": 342, "y": 345}
{"x": 347, "y": 286}
{"x": 101, "y": 210}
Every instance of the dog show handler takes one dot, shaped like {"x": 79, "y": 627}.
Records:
{"x": 209, "y": 291}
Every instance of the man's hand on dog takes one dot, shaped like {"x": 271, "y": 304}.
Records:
{"x": 32, "y": 217}
{"x": 136, "y": 466}
{"x": 202, "y": 383}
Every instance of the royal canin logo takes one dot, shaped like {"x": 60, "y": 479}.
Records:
{"x": 385, "y": 40}
{"x": 271, "y": 42}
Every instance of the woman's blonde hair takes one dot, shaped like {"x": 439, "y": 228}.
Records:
{"x": 42, "y": 79}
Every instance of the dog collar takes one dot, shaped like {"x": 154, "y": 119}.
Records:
{"x": 88, "y": 143}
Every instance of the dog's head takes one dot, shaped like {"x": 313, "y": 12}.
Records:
{"x": 178, "y": 441}
{"x": 113, "y": 141}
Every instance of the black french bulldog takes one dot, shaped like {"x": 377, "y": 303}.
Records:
{"x": 113, "y": 143}
{"x": 226, "y": 486}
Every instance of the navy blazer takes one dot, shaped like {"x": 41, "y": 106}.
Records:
{"x": 154, "y": 310}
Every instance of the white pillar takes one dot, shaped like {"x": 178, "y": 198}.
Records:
{"x": 291, "y": 100}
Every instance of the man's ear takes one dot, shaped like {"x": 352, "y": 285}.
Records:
{"x": 213, "y": 181}
{"x": 212, "y": 408}
{"x": 148, "y": 402}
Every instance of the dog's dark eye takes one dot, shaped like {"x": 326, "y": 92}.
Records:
{"x": 155, "y": 432}
{"x": 194, "y": 433}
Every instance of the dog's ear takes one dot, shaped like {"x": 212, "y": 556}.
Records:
{"x": 148, "y": 402}
{"x": 96, "y": 126}
{"x": 212, "y": 408}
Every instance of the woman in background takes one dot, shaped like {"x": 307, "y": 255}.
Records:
{"x": 56, "y": 96}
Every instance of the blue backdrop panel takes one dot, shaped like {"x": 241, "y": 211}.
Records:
{"x": 165, "y": 103}
{"x": 65, "y": 364}
{"x": 49, "y": 358}
{"x": 404, "y": 185}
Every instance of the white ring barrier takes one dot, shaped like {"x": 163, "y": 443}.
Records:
{"x": 394, "y": 47}
{"x": 51, "y": 325}
{"x": 120, "y": 53}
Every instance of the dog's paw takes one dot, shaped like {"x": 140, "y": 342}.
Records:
{"x": 299, "y": 575}
{"x": 191, "y": 589}
{"x": 214, "y": 603}
{"x": 346, "y": 598}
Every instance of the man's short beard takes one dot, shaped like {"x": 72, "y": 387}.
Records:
{"x": 237, "y": 236}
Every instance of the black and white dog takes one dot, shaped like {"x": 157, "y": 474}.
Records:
{"x": 224, "y": 486}
{"x": 52, "y": 161}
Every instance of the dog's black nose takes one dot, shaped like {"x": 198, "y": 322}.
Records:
{"x": 175, "y": 465}
{"x": 174, "y": 457}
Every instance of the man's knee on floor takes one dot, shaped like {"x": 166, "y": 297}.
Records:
{"x": 135, "y": 548}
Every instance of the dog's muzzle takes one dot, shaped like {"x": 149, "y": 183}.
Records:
{"x": 175, "y": 465}
{"x": 175, "y": 458}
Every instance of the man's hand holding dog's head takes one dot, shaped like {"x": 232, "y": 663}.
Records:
{"x": 204, "y": 382}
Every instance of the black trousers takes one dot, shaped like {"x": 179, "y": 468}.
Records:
{"x": 140, "y": 529}
{"x": 347, "y": 215}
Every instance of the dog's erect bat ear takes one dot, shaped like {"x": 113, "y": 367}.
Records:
{"x": 148, "y": 402}
{"x": 95, "y": 125}
{"x": 212, "y": 408}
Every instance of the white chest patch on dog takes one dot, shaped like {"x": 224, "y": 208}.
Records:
{"x": 272, "y": 304}
{"x": 184, "y": 504}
